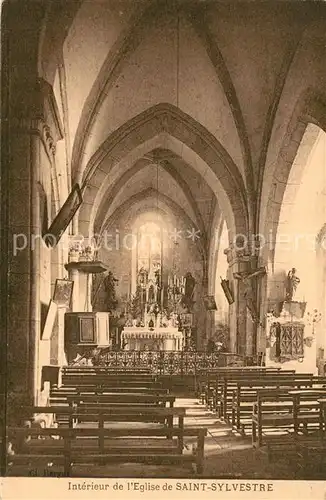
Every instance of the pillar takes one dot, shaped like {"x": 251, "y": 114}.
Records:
{"x": 241, "y": 325}
{"x": 33, "y": 134}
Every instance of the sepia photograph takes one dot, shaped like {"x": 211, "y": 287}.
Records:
{"x": 163, "y": 200}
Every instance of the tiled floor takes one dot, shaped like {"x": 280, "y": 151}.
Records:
{"x": 227, "y": 454}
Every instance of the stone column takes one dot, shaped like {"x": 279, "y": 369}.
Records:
{"x": 32, "y": 146}
{"x": 240, "y": 327}
{"x": 20, "y": 355}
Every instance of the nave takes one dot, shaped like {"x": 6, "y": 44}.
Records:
{"x": 163, "y": 237}
{"x": 242, "y": 422}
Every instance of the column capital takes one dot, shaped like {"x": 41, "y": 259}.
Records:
{"x": 39, "y": 115}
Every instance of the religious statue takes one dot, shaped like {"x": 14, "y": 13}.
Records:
{"x": 109, "y": 286}
{"x": 190, "y": 285}
{"x": 292, "y": 282}
{"x": 157, "y": 275}
{"x": 187, "y": 299}
{"x": 142, "y": 277}
{"x": 151, "y": 294}
{"x": 87, "y": 254}
{"x": 245, "y": 277}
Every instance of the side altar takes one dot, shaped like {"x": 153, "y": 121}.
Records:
{"x": 151, "y": 339}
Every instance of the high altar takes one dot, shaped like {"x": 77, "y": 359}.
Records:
{"x": 157, "y": 339}
{"x": 154, "y": 310}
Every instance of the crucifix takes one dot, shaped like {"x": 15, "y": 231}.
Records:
{"x": 246, "y": 278}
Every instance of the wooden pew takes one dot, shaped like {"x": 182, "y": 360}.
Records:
{"x": 69, "y": 456}
{"x": 114, "y": 384}
{"x": 308, "y": 421}
{"x": 208, "y": 381}
{"x": 59, "y": 396}
{"x": 70, "y": 416}
{"x": 245, "y": 395}
{"x": 306, "y": 408}
{"x": 106, "y": 379}
{"x": 273, "y": 409}
{"x": 98, "y": 389}
{"x": 210, "y": 390}
{"x": 105, "y": 369}
{"x": 122, "y": 398}
{"x": 226, "y": 384}
{"x": 311, "y": 452}
{"x": 99, "y": 447}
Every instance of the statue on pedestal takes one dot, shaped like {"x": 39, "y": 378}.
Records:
{"x": 291, "y": 284}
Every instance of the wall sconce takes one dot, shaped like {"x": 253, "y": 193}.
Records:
{"x": 313, "y": 318}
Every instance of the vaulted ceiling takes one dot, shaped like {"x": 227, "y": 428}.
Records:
{"x": 131, "y": 74}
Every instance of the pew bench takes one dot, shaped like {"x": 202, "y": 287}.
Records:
{"x": 308, "y": 423}
{"x": 306, "y": 408}
{"x": 71, "y": 417}
{"x": 245, "y": 395}
{"x": 107, "y": 446}
{"x": 105, "y": 369}
{"x": 227, "y": 385}
{"x": 60, "y": 395}
{"x": 207, "y": 383}
{"x": 309, "y": 450}
{"x": 122, "y": 398}
{"x": 77, "y": 380}
{"x": 112, "y": 384}
{"x": 87, "y": 413}
{"x": 272, "y": 411}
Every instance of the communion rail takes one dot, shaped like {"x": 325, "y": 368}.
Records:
{"x": 168, "y": 362}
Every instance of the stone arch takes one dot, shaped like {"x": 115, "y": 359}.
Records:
{"x": 163, "y": 199}
{"x": 311, "y": 108}
{"x": 297, "y": 233}
{"x": 113, "y": 190}
{"x": 216, "y": 166}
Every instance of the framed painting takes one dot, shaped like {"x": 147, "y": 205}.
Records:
{"x": 63, "y": 293}
{"x": 64, "y": 217}
{"x": 227, "y": 291}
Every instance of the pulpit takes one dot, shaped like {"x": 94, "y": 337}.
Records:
{"x": 157, "y": 339}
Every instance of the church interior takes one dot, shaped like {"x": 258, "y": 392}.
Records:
{"x": 163, "y": 238}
